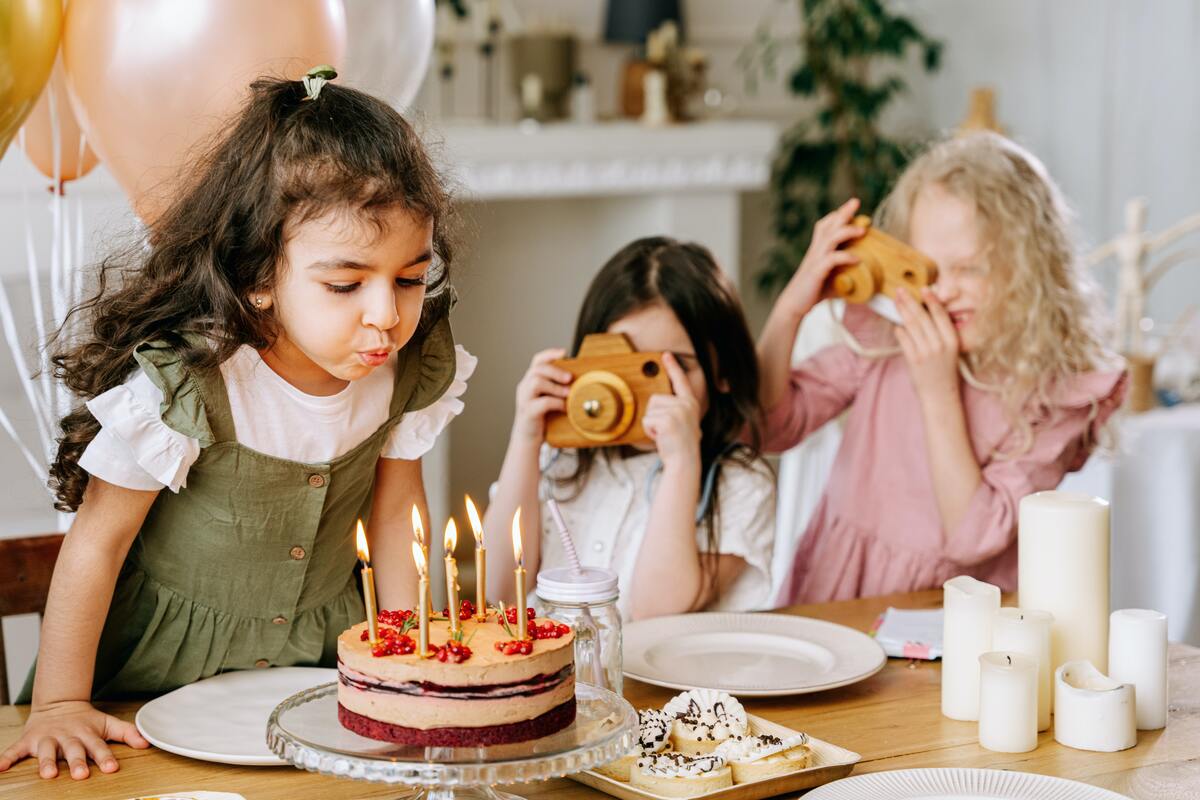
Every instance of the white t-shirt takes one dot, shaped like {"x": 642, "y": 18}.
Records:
{"x": 137, "y": 450}
{"x": 608, "y": 520}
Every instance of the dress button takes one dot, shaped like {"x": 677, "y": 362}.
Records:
{"x": 598, "y": 546}
{"x": 262, "y": 662}
{"x": 297, "y": 552}
{"x": 316, "y": 481}
{"x": 280, "y": 620}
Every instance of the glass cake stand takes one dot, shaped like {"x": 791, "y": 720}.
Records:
{"x": 304, "y": 731}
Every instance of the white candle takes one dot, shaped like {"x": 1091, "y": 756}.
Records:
{"x": 1062, "y": 567}
{"x": 1137, "y": 654}
{"x": 1091, "y": 711}
{"x": 1026, "y": 631}
{"x": 1008, "y": 702}
{"x": 970, "y": 606}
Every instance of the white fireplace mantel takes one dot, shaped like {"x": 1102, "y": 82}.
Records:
{"x": 499, "y": 162}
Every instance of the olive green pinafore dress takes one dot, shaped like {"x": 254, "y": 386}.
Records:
{"x": 252, "y": 563}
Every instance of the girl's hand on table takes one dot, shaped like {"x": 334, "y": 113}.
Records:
{"x": 77, "y": 731}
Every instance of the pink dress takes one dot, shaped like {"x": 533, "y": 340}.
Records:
{"x": 877, "y": 528}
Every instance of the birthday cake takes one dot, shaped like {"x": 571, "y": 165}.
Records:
{"x": 482, "y": 687}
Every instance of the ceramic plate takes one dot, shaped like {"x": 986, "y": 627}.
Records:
{"x": 751, "y": 655}
{"x": 959, "y": 784}
{"x": 224, "y": 718}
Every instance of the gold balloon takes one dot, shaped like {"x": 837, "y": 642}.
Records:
{"x": 29, "y": 35}
{"x": 152, "y": 81}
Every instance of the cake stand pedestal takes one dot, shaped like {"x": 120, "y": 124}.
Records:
{"x": 304, "y": 731}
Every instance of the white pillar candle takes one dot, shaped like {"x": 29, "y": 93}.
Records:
{"x": 1026, "y": 631}
{"x": 969, "y": 609}
{"x": 1008, "y": 702}
{"x": 1092, "y": 711}
{"x": 1137, "y": 654}
{"x": 1062, "y": 567}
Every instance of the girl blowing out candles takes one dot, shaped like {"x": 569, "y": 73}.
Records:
{"x": 270, "y": 365}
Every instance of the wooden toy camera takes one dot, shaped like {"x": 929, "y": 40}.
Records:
{"x": 609, "y": 394}
{"x": 885, "y": 265}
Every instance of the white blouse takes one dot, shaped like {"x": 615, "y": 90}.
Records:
{"x": 137, "y": 450}
{"x": 608, "y": 520}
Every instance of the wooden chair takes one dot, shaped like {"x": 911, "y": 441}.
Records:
{"x": 26, "y": 565}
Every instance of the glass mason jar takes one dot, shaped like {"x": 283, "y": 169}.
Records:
{"x": 587, "y": 602}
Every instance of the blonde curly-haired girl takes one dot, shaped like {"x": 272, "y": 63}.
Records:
{"x": 992, "y": 389}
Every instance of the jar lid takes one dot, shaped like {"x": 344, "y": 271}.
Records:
{"x": 595, "y": 585}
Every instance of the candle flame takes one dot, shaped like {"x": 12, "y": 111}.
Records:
{"x": 518, "y": 551}
{"x": 450, "y": 540}
{"x": 419, "y": 558}
{"x": 476, "y": 525}
{"x": 361, "y": 540}
{"x": 418, "y": 528}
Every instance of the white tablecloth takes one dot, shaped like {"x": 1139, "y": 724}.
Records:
{"x": 1153, "y": 483}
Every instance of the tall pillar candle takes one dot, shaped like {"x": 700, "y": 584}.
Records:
{"x": 1062, "y": 567}
{"x": 970, "y": 608}
{"x": 1026, "y": 631}
{"x": 1137, "y": 654}
{"x": 1092, "y": 711}
{"x": 1008, "y": 702}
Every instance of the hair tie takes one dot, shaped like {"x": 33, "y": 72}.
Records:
{"x": 317, "y": 77}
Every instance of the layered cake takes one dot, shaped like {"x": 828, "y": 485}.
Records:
{"x": 483, "y": 688}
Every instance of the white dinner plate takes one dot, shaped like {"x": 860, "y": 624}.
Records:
{"x": 752, "y": 655}
{"x": 958, "y": 784}
{"x": 224, "y": 718}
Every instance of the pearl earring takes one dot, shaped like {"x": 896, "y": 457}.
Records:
{"x": 258, "y": 302}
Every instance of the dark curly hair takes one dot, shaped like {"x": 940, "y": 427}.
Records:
{"x": 284, "y": 159}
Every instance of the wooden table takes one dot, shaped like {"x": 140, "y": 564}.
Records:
{"x": 893, "y": 720}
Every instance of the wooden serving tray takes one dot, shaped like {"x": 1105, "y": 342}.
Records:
{"x": 828, "y": 763}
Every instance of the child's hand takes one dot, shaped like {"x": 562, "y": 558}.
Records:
{"x": 75, "y": 731}
{"x": 930, "y": 345}
{"x": 542, "y": 391}
{"x": 672, "y": 421}
{"x": 831, "y": 232}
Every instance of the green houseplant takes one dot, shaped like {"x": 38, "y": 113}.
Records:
{"x": 838, "y": 151}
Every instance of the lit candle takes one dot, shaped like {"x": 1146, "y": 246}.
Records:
{"x": 1062, "y": 567}
{"x": 519, "y": 577}
{"x": 1025, "y": 631}
{"x": 1137, "y": 654}
{"x": 449, "y": 542}
{"x": 969, "y": 608}
{"x": 1008, "y": 702}
{"x": 1092, "y": 711}
{"x": 368, "y": 584}
{"x": 419, "y": 534}
{"x": 422, "y": 600}
{"x": 480, "y": 562}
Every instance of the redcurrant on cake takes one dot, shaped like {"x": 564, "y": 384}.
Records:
{"x": 482, "y": 688}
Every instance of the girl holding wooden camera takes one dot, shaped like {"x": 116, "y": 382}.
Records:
{"x": 686, "y": 518}
{"x": 993, "y": 388}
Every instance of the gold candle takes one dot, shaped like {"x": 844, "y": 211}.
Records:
{"x": 368, "y": 584}
{"x": 480, "y": 563}
{"x": 519, "y": 576}
{"x": 419, "y": 535}
{"x": 449, "y": 542}
{"x": 422, "y": 600}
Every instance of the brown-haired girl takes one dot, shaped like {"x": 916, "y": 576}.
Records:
{"x": 268, "y": 367}
{"x": 688, "y": 522}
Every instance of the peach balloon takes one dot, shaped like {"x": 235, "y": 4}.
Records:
{"x": 153, "y": 81}
{"x": 29, "y": 35}
{"x": 76, "y": 159}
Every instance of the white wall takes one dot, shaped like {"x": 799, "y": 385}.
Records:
{"x": 1104, "y": 90}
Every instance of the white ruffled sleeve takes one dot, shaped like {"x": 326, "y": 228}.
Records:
{"x": 417, "y": 431}
{"x": 135, "y": 448}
